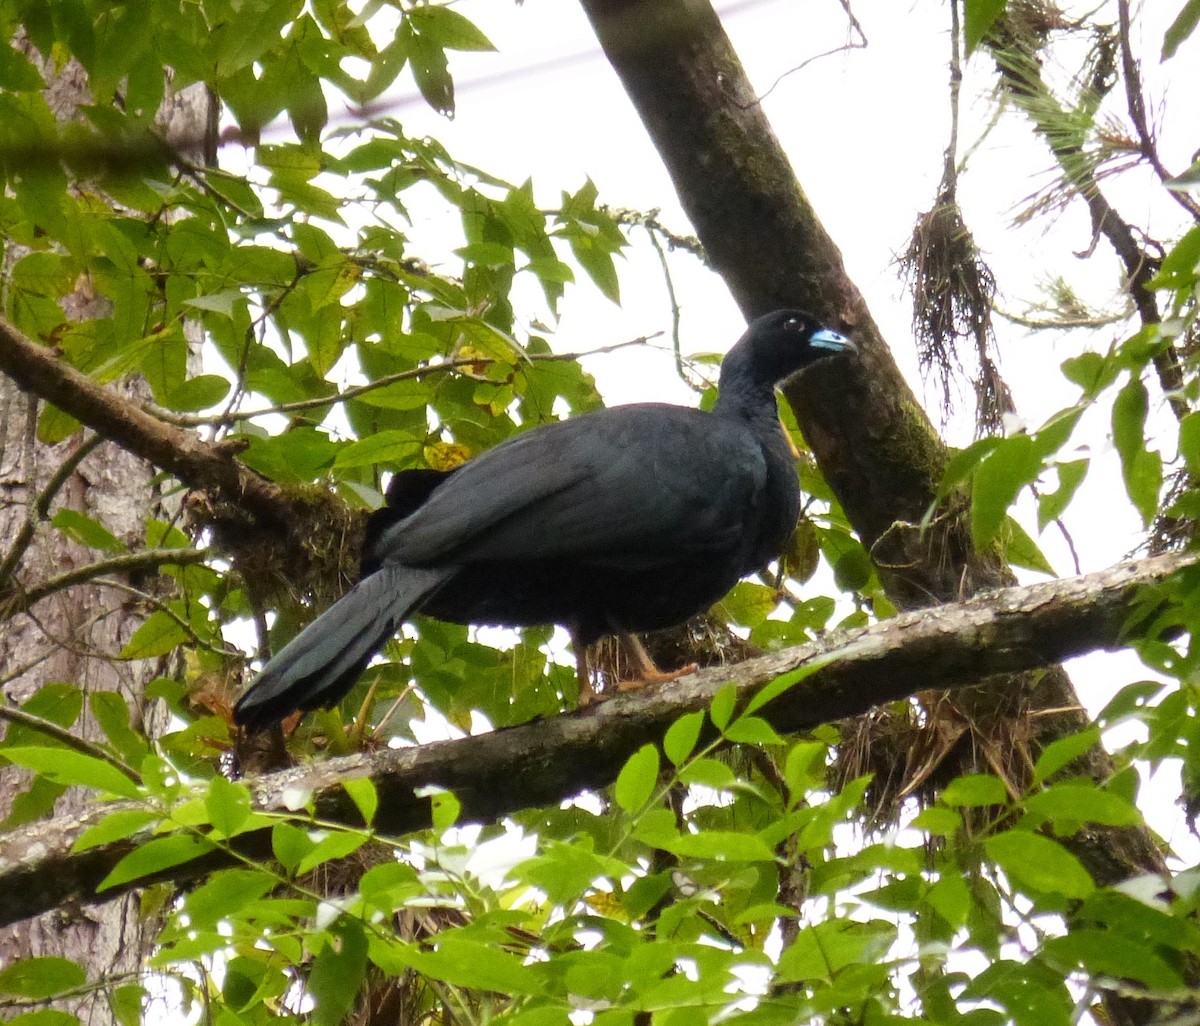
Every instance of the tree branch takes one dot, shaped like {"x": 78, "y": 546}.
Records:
{"x": 212, "y": 468}
{"x": 1007, "y": 631}
{"x": 16, "y": 600}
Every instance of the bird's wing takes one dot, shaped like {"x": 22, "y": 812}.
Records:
{"x": 635, "y": 483}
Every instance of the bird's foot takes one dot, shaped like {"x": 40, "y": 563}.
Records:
{"x": 657, "y": 677}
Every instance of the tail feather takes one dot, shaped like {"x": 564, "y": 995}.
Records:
{"x": 320, "y": 665}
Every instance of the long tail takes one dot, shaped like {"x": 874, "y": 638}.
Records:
{"x": 320, "y": 665}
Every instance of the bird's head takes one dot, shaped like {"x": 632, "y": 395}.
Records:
{"x": 778, "y": 344}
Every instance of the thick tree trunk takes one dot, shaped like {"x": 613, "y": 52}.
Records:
{"x": 74, "y": 636}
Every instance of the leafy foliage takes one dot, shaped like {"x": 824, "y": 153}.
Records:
{"x": 725, "y": 876}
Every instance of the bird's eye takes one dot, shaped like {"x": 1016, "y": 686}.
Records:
{"x": 792, "y": 323}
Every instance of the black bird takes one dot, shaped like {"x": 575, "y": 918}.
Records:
{"x": 631, "y": 518}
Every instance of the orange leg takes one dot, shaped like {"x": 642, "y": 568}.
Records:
{"x": 587, "y": 692}
{"x": 647, "y": 672}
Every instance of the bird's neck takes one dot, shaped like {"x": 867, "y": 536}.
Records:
{"x": 747, "y": 400}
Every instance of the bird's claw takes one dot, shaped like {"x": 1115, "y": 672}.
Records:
{"x": 657, "y": 677}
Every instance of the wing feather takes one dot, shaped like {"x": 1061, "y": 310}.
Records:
{"x": 610, "y": 487}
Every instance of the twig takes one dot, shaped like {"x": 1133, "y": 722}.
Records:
{"x": 1136, "y": 102}
{"x": 859, "y": 44}
{"x": 1061, "y": 322}
{"x": 413, "y": 374}
{"x": 1058, "y": 522}
{"x": 159, "y": 605}
{"x": 67, "y": 739}
{"x": 41, "y": 505}
{"x": 676, "y": 346}
{"x": 196, "y": 463}
{"x": 131, "y": 562}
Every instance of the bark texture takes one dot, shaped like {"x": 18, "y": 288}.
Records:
{"x": 74, "y": 635}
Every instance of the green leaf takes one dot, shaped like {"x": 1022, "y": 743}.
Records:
{"x": 975, "y": 790}
{"x": 823, "y": 951}
{"x": 478, "y": 966}
{"x": 1002, "y": 474}
{"x": 36, "y": 802}
{"x": 228, "y": 805}
{"x": 1140, "y": 466}
{"x": 708, "y": 773}
{"x": 1064, "y": 751}
{"x": 64, "y": 766}
{"x": 16, "y": 72}
{"x": 1039, "y": 864}
{"x": 54, "y": 425}
{"x": 597, "y": 261}
{"x": 116, "y": 826}
{"x": 41, "y": 978}
{"x": 1031, "y": 992}
{"x": 112, "y": 713}
{"x": 1130, "y": 701}
{"x": 444, "y": 807}
{"x": 721, "y": 708}
{"x": 337, "y": 973}
{"x": 752, "y": 730}
{"x": 336, "y": 845}
{"x": 567, "y": 871}
{"x": 1091, "y": 372}
{"x": 226, "y": 303}
{"x": 805, "y": 767}
{"x": 749, "y": 603}
{"x": 637, "y": 779}
{"x": 294, "y": 457}
{"x": 1052, "y": 504}
{"x": 1021, "y": 550}
{"x": 449, "y": 28}
{"x": 160, "y": 634}
{"x": 155, "y": 856}
{"x": 1189, "y": 440}
{"x": 852, "y": 569}
{"x": 224, "y": 893}
{"x": 1078, "y": 803}
{"x": 1105, "y": 953}
{"x": 722, "y": 845}
{"x": 86, "y": 531}
{"x": 389, "y": 886}
{"x": 198, "y": 393}
{"x": 785, "y": 682}
{"x": 950, "y": 897}
{"x": 428, "y": 63}
{"x": 382, "y": 447}
{"x": 58, "y": 702}
{"x": 938, "y": 821}
{"x": 1181, "y": 265}
{"x": 364, "y": 795}
{"x": 978, "y": 18}
{"x": 681, "y": 737}
{"x": 290, "y": 844}
{"x": 129, "y": 1003}
{"x": 1183, "y": 26}
{"x": 399, "y": 395}
{"x": 963, "y": 463}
